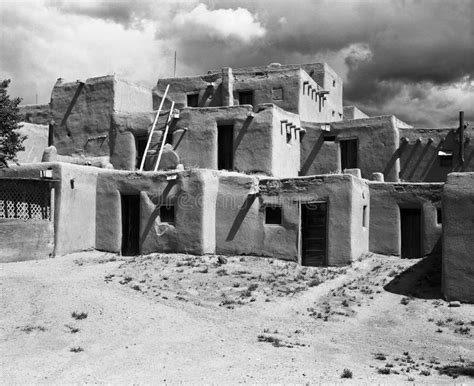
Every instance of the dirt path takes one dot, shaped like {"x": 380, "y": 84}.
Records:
{"x": 154, "y": 321}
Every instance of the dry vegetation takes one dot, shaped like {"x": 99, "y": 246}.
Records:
{"x": 231, "y": 319}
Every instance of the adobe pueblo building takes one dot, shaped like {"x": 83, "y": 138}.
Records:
{"x": 262, "y": 161}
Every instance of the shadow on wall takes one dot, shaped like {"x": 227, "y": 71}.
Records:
{"x": 312, "y": 155}
{"x": 156, "y": 212}
{"x": 244, "y": 209}
{"x": 422, "y": 280}
{"x": 420, "y": 160}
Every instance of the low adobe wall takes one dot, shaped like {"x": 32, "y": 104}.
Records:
{"x": 71, "y": 226}
{"x": 458, "y": 237}
{"x": 386, "y": 199}
{"x": 192, "y": 194}
{"x": 240, "y": 216}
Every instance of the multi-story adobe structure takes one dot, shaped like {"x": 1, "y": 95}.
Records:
{"x": 263, "y": 161}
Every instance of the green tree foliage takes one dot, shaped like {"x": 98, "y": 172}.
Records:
{"x": 11, "y": 142}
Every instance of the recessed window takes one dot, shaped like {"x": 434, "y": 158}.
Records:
{"x": 333, "y": 83}
{"x": 246, "y": 98}
{"x": 439, "y": 216}
{"x": 445, "y": 158}
{"x": 364, "y": 216}
{"x": 193, "y": 100}
{"x": 167, "y": 214}
{"x": 273, "y": 215}
{"x": 333, "y": 113}
{"x": 277, "y": 94}
{"x": 329, "y": 138}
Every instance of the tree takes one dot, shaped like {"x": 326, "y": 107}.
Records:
{"x": 11, "y": 142}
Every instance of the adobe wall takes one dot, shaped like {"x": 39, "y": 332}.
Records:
{"x": 24, "y": 239}
{"x": 209, "y": 88}
{"x": 458, "y": 237}
{"x": 418, "y": 151}
{"x": 192, "y": 193}
{"x": 265, "y": 84}
{"x": 330, "y": 81}
{"x": 378, "y": 140}
{"x": 83, "y": 111}
{"x": 35, "y": 143}
{"x": 318, "y": 156}
{"x": 240, "y": 216}
{"x": 258, "y": 141}
{"x": 239, "y": 223}
{"x": 386, "y": 199}
{"x": 72, "y": 226}
{"x": 76, "y": 208}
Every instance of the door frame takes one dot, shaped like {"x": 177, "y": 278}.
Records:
{"x": 300, "y": 233}
{"x": 421, "y": 232}
{"x": 353, "y": 138}
{"x": 122, "y": 199}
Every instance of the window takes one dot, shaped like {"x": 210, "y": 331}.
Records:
{"x": 167, "y": 214}
{"x": 445, "y": 158}
{"x": 333, "y": 83}
{"x": 193, "y": 100}
{"x": 277, "y": 94}
{"x": 273, "y": 215}
{"x": 329, "y": 138}
{"x": 439, "y": 216}
{"x": 364, "y": 216}
{"x": 246, "y": 98}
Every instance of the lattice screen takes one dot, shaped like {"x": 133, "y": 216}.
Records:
{"x": 25, "y": 199}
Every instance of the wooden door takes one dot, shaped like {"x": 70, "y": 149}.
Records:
{"x": 348, "y": 153}
{"x": 410, "y": 224}
{"x": 314, "y": 234}
{"x": 130, "y": 225}
{"x": 225, "y": 147}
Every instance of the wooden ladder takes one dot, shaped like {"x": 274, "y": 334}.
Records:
{"x": 150, "y": 136}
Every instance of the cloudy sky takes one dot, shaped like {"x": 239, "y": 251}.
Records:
{"x": 411, "y": 58}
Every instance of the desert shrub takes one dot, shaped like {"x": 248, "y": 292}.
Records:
{"x": 346, "y": 373}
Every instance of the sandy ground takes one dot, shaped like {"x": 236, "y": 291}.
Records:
{"x": 98, "y": 318}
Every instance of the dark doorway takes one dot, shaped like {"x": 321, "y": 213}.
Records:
{"x": 130, "y": 225}
{"x": 140, "y": 146}
{"x": 348, "y": 153}
{"x": 225, "y": 147}
{"x": 246, "y": 98}
{"x": 410, "y": 229}
{"x": 314, "y": 234}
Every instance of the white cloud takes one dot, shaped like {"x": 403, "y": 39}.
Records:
{"x": 201, "y": 22}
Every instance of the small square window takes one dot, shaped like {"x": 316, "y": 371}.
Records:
{"x": 246, "y": 98}
{"x": 167, "y": 214}
{"x": 439, "y": 216}
{"x": 277, "y": 94}
{"x": 273, "y": 215}
{"x": 445, "y": 159}
{"x": 193, "y": 100}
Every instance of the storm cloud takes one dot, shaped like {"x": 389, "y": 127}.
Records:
{"x": 411, "y": 58}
